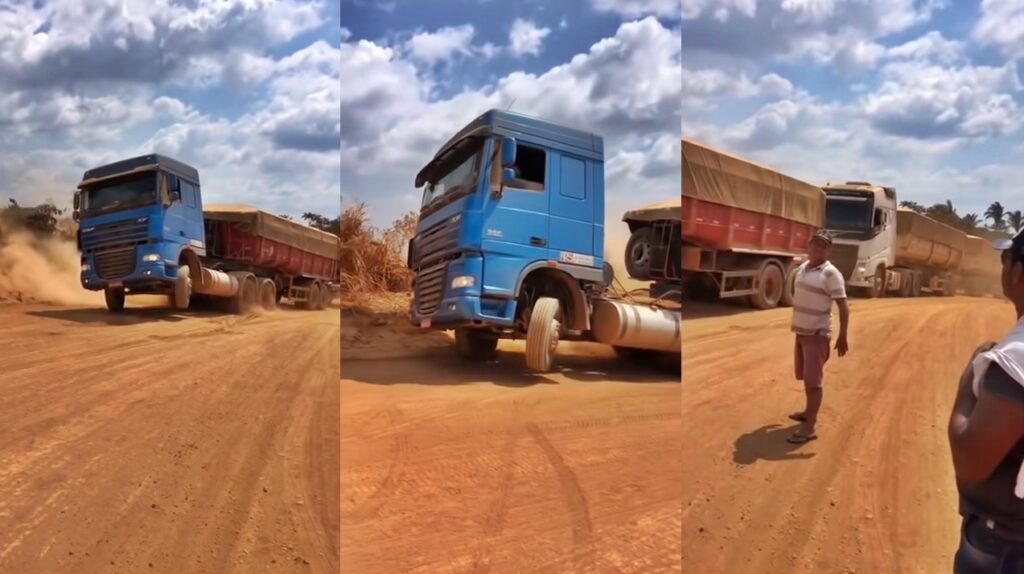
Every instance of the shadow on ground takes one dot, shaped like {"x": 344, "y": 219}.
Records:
{"x": 769, "y": 443}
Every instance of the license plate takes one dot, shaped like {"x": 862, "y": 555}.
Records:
{"x": 116, "y": 284}
{"x": 424, "y": 323}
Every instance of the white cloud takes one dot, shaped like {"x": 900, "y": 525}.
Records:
{"x": 1001, "y": 23}
{"x": 525, "y": 37}
{"x": 932, "y": 46}
{"x": 639, "y": 8}
{"x": 564, "y": 24}
{"x": 441, "y": 45}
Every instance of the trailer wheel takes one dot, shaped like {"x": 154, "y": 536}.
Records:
{"x": 906, "y": 286}
{"x": 915, "y": 282}
{"x": 789, "y": 291}
{"x": 182, "y": 296}
{"x": 542, "y": 335}
{"x": 475, "y": 344}
{"x": 115, "y": 299}
{"x": 949, "y": 289}
{"x": 313, "y": 297}
{"x": 248, "y": 294}
{"x": 638, "y": 253}
{"x": 770, "y": 287}
{"x": 268, "y": 294}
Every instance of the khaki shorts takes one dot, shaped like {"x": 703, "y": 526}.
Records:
{"x": 811, "y": 354}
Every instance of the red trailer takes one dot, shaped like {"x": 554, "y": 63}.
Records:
{"x": 302, "y": 262}
{"x": 745, "y": 227}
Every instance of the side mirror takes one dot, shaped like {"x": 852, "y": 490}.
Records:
{"x": 77, "y": 201}
{"x": 507, "y": 175}
{"x": 508, "y": 152}
{"x": 408, "y": 254}
{"x": 74, "y": 215}
{"x": 175, "y": 195}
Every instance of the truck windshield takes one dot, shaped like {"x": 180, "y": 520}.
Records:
{"x": 126, "y": 192}
{"x": 848, "y": 213}
{"x": 453, "y": 176}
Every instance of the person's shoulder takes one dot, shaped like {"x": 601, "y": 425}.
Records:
{"x": 831, "y": 270}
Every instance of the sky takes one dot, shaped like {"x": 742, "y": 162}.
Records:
{"x": 246, "y": 91}
{"x": 922, "y": 95}
{"x": 413, "y": 73}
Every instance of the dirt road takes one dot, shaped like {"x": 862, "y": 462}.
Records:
{"x": 875, "y": 492}
{"x": 449, "y": 467}
{"x": 159, "y": 442}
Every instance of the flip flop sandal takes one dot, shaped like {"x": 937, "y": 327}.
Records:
{"x": 801, "y": 439}
{"x": 799, "y": 417}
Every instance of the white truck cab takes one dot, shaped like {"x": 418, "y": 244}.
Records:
{"x": 862, "y": 218}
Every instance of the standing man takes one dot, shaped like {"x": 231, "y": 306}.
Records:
{"x": 817, "y": 284}
{"x": 986, "y": 437}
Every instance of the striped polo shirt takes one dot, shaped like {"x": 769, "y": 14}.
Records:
{"x": 816, "y": 288}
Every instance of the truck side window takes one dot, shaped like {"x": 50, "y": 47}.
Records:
{"x": 531, "y": 168}
{"x": 189, "y": 192}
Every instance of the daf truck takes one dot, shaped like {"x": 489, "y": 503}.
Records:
{"x": 510, "y": 244}
{"x": 143, "y": 229}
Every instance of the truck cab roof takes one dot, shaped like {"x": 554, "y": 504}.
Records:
{"x": 141, "y": 163}
{"x": 880, "y": 192}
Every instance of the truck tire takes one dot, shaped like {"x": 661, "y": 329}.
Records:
{"x": 181, "y": 298}
{"x": 268, "y": 294}
{"x": 475, "y": 344}
{"x": 878, "y": 283}
{"x": 312, "y": 302}
{"x": 949, "y": 289}
{"x": 115, "y": 299}
{"x": 789, "y": 291}
{"x": 638, "y": 253}
{"x": 247, "y": 297}
{"x": 542, "y": 335}
{"x": 770, "y": 287}
{"x": 906, "y": 286}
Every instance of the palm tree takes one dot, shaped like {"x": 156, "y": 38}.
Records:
{"x": 971, "y": 220}
{"x": 996, "y": 212}
{"x": 1015, "y": 219}
{"x": 912, "y": 205}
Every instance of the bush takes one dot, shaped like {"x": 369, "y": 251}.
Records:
{"x": 371, "y": 259}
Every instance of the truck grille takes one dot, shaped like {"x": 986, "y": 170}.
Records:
{"x": 120, "y": 233}
{"x": 430, "y": 288}
{"x": 115, "y": 263}
{"x": 435, "y": 243}
{"x": 844, "y": 257}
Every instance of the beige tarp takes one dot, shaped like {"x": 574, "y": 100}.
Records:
{"x": 279, "y": 229}
{"x": 980, "y": 257}
{"x": 715, "y": 176}
{"x": 922, "y": 240}
{"x": 668, "y": 210}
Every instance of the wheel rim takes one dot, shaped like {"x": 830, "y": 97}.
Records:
{"x": 640, "y": 253}
{"x": 553, "y": 346}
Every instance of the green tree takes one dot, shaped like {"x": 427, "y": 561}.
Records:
{"x": 913, "y": 205}
{"x": 996, "y": 212}
{"x": 1015, "y": 219}
{"x": 323, "y": 223}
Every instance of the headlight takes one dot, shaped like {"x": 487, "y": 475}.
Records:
{"x": 151, "y": 257}
{"x": 463, "y": 281}
{"x": 86, "y": 267}
{"x": 861, "y": 270}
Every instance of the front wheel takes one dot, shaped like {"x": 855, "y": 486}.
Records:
{"x": 115, "y": 299}
{"x": 542, "y": 335}
{"x": 475, "y": 344}
{"x": 182, "y": 296}
{"x": 878, "y": 284}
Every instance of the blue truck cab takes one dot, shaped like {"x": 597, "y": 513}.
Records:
{"x": 512, "y": 212}
{"x": 137, "y": 218}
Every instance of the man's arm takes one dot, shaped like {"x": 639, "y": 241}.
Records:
{"x": 842, "y": 346}
{"x": 982, "y": 430}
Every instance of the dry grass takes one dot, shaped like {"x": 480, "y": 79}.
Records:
{"x": 371, "y": 259}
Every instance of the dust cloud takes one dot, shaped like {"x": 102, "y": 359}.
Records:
{"x": 41, "y": 270}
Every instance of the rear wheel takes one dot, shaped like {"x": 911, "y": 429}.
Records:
{"x": 268, "y": 294}
{"x": 789, "y": 291}
{"x": 313, "y": 297}
{"x": 769, "y": 288}
{"x": 542, "y": 335}
{"x": 246, "y": 298}
{"x": 638, "y": 253}
{"x": 115, "y": 299}
{"x": 476, "y": 344}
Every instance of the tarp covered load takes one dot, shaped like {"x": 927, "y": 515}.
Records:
{"x": 715, "y": 176}
{"x": 668, "y": 210}
{"x": 980, "y": 258}
{"x": 270, "y": 226}
{"x": 922, "y": 240}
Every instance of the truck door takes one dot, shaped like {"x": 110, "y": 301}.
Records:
{"x": 571, "y": 200}
{"x": 515, "y": 225}
{"x": 183, "y": 222}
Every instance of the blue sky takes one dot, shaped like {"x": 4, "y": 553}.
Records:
{"x": 245, "y": 91}
{"x": 414, "y": 72}
{"x": 923, "y": 95}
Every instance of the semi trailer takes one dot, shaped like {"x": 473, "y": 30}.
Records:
{"x": 143, "y": 229}
{"x": 881, "y": 248}
{"x": 509, "y": 243}
{"x": 981, "y": 268}
{"x": 653, "y": 249}
{"x": 745, "y": 227}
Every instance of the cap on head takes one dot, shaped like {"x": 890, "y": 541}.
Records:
{"x": 823, "y": 236}
{"x": 1015, "y": 245}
